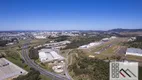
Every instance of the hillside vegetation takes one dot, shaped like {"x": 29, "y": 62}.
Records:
{"x": 85, "y": 68}
{"x": 136, "y": 44}
{"x": 83, "y": 41}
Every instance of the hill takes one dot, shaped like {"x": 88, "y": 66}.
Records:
{"x": 125, "y": 30}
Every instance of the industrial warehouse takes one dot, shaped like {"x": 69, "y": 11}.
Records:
{"x": 48, "y": 55}
{"x": 134, "y": 51}
{"x": 9, "y": 70}
{"x": 90, "y": 45}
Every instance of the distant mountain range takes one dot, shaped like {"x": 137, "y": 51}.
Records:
{"x": 125, "y": 30}
{"x": 112, "y": 30}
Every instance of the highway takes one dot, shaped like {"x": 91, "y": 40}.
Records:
{"x": 42, "y": 71}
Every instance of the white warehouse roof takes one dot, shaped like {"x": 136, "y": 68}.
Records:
{"x": 90, "y": 45}
{"x": 134, "y": 51}
{"x": 47, "y": 55}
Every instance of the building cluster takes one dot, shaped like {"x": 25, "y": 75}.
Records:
{"x": 93, "y": 44}
{"x": 22, "y": 35}
{"x": 45, "y": 34}
{"x": 72, "y": 33}
{"x": 8, "y": 70}
{"x": 17, "y": 35}
{"x": 57, "y": 45}
{"x": 132, "y": 39}
{"x": 11, "y": 38}
{"x": 50, "y": 54}
{"x": 107, "y": 39}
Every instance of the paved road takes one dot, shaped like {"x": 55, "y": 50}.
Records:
{"x": 32, "y": 64}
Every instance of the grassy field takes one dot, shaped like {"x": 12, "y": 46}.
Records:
{"x": 19, "y": 63}
{"x": 135, "y": 58}
{"x": 108, "y": 51}
{"x": 44, "y": 77}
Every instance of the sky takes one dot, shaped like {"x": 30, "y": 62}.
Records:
{"x": 70, "y": 14}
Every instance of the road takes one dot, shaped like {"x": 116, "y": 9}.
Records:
{"x": 43, "y": 71}
{"x": 66, "y": 66}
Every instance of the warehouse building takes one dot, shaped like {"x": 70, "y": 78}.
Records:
{"x": 40, "y": 37}
{"x": 93, "y": 44}
{"x": 49, "y": 55}
{"x": 134, "y": 51}
{"x": 8, "y": 70}
{"x": 105, "y": 39}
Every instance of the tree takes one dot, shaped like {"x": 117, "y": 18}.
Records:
{"x": 33, "y": 53}
{"x": 3, "y": 43}
{"x": 61, "y": 38}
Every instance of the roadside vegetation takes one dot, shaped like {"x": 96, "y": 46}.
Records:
{"x": 33, "y": 53}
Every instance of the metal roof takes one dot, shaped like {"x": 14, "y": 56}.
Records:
{"x": 134, "y": 50}
{"x": 46, "y": 55}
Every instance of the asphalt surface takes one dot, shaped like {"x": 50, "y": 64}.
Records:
{"x": 42, "y": 71}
